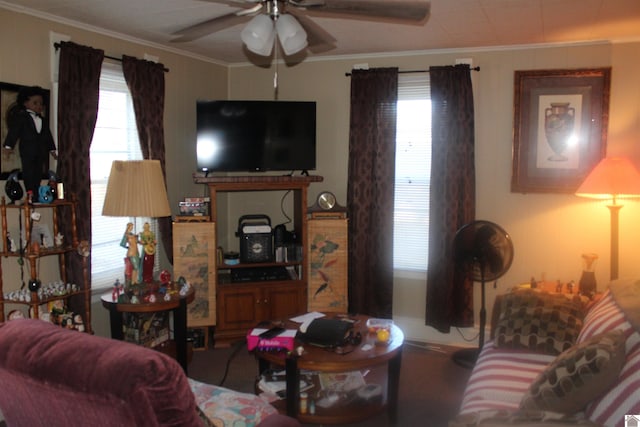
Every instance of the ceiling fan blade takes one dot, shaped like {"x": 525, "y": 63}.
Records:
{"x": 318, "y": 38}
{"x": 408, "y": 11}
{"x": 215, "y": 24}
{"x": 235, "y": 3}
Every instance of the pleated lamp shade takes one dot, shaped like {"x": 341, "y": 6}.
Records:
{"x": 612, "y": 178}
{"x": 136, "y": 188}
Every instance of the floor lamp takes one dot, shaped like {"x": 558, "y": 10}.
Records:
{"x": 613, "y": 178}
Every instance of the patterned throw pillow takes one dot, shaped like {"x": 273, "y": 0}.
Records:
{"x": 578, "y": 376}
{"x": 538, "y": 321}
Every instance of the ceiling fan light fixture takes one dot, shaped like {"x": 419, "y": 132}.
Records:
{"x": 292, "y": 36}
{"x": 259, "y": 35}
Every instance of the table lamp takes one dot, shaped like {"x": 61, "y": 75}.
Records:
{"x": 136, "y": 188}
{"x": 613, "y": 178}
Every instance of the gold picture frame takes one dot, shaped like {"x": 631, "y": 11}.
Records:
{"x": 560, "y": 128}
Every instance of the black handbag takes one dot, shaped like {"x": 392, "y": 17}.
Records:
{"x": 327, "y": 332}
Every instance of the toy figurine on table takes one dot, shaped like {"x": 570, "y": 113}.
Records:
{"x": 132, "y": 271}
{"x": 148, "y": 242}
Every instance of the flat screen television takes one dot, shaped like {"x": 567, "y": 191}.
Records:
{"x": 256, "y": 136}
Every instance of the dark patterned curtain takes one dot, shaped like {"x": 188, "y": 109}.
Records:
{"x": 145, "y": 80}
{"x": 370, "y": 191}
{"x": 79, "y": 88}
{"x": 449, "y": 293}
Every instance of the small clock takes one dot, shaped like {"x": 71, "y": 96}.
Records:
{"x": 326, "y": 200}
{"x": 326, "y": 203}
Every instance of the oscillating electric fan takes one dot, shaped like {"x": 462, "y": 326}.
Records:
{"x": 483, "y": 251}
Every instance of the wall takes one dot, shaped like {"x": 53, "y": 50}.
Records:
{"x": 549, "y": 231}
{"x": 25, "y": 50}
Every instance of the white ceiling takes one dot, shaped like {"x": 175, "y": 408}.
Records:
{"x": 453, "y": 24}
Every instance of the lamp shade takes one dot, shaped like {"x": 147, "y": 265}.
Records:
{"x": 136, "y": 188}
{"x": 613, "y": 177}
{"x": 291, "y": 34}
{"x": 259, "y": 35}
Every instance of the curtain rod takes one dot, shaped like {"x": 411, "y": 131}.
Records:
{"x": 57, "y": 46}
{"x": 416, "y": 71}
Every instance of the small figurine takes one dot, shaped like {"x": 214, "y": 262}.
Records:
{"x": 184, "y": 285}
{"x": 78, "y": 324}
{"x": 115, "y": 294}
{"x": 165, "y": 277}
{"x": 559, "y": 286}
{"x": 59, "y": 239}
{"x": 132, "y": 270}
{"x": 148, "y": 241}
{"x": 84, "y": 249}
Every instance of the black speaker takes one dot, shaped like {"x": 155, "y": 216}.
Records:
{"x": 256, "y": 239}
{"x": 279, "y": 235}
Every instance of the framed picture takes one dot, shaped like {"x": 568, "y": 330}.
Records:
{"x": 10, "y": 159}
{"x": 195, "y": 260}
{"x": 560, "y": 128}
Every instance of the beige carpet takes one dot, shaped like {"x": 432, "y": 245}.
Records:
{"x": 431, "y": 384}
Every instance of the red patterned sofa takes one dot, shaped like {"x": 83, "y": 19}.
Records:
{"x": 555, "y": 361}
{"x": 50, "y": 376}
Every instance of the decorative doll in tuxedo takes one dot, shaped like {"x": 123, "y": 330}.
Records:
{"x": 27, "y": 126}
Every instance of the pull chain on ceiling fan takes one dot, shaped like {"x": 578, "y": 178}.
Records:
{"x": 294, "y": 29}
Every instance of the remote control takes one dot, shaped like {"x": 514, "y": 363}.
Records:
{"x": 271, "y": 333}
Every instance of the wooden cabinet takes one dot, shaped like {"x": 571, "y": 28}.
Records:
{"x": 240, "y": 306}
{"x": 44, "y": 237}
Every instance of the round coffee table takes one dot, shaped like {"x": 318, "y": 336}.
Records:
{"x": 370, "y": 361}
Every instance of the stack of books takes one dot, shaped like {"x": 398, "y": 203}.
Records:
{"x": 194, "y": 206}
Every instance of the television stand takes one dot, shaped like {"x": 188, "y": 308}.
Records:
{"x": 242, "y": 305}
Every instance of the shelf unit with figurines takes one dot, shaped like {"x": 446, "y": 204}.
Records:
{"x": 33, "y": 233}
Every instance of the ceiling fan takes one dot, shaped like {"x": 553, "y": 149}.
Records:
{"x": 289, "y": 21}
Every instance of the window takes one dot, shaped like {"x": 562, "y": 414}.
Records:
{"x": 115, "y": 138}
{"x": 413, "y": 173}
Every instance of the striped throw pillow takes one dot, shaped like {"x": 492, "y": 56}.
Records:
{"x": 622, "y": 397}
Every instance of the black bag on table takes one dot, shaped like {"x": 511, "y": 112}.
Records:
{"x": 327, "y": 332}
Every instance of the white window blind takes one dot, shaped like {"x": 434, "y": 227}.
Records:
{"x": 115, "y": 138}
{"x": 413, "y": 172}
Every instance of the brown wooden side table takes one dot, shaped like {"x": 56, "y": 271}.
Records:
{"x": 354, "y": 358}
{"x": 177, "y": 305}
